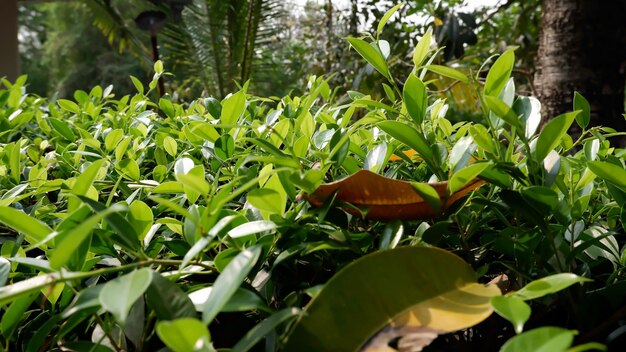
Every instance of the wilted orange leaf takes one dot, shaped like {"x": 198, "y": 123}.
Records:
{"x": 386, "y": 199}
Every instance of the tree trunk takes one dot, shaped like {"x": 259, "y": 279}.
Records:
{"x": 582, "y": 48}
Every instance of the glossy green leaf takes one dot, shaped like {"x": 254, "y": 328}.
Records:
{"x": 547, "y": 285}
{"x": 580, "y": 103}
{"x": 415, "y": 98}
{"x": 373, "y": 56}
{"x": 241, "y": 301}
{"x": 169, "y": 187}
{"x": 429, "y": 194}
{"x": 141, "y": 218}
{"x": 376, "y": 158}
{"x": 409, "y": 136}
{"x": 499, "y": 74}
{"x": 233, "y": 107}
{"x": 544, "y": 339}
{"x": 422, "y": 48}
{"x": 386, "y": 18}
{"x": 84, "y": 181}
{"x": 415, "y": 289}
{"x": 184, "y": 335}
{"x": 225, "y": 147}
{"x": 137, "y": 83}
{"x": 33, "y": 229}
{"x": 482, "y": 138}
{"x": 503, "y": 111}
{"x": 609, "y": 172}
{"x": 266, "y": 199}
{"x": 392, "y": 233}
{"x": 14, "y": 161}
{"x": 158, "y": 67}
{"x": 465, "y": 175}
{"x": 129, "y": 168}
{"x": 228, "y": 281}
{"x": 118, "y": 295}
{"x": 251, "y": 228}
{"x": 167, "y": 107}
{"x": 85, "y": 299}
{"x": 170, "y": 145}
{"x": 126, "y": 234}
{"x": 194, "y": 180}
{"x": 63, "y": 129}
{"x": 69, "y": 105}
{"x": 512, "y": 309}
{"x": 529, "y": 110}
{"x": 448, "y": 72}
{"x": 551, "y": 134}
{"x": 112, "y": 139}
{"x": 389, "y": 92}
{"x": 69, "y": 243}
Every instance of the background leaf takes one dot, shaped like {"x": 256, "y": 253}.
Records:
{"x": 499, "y": 74}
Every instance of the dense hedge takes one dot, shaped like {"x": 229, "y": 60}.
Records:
{"x": 136, "y": 222}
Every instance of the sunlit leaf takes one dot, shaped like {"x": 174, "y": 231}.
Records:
{"x": 610, "y": 172}
{"x": 499, "y": 73}
{"x": 409, "y": 136}
{"x": 386, "y": 18}
{"x": 512, "y": 309}
{"x": 266, "y": 199}
{"x": 422, "y": 48}
{"x": 70, "y": 243}
{"x": 466, "y": 176}
{"x": 544, "y": 339}
{"x": 448, "y": 72}
{"x": 580, "y": 103}
{"x": 548, "y": 285}
{"x": 184, "y": 335}
{"x": 33, "y": 229}
{"x": 552, "y": 133}
{"x": 373, "y": 56}
{"x": 503, "y": 111}
{"x": 419, "y": 291}
{"x": 233, "y": 107}
{"x": 415, "y": 98}
{"x": 251, "y": 228}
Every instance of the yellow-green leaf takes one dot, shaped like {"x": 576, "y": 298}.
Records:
{"x": 448, "y": 72}
{"x": 373, "y": 56}
{"x": 416, "y": 290}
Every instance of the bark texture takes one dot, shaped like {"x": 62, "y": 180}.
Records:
{"x": 582, "y": 47}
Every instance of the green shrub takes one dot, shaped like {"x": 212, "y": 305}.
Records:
{"x": 133, "y": 223}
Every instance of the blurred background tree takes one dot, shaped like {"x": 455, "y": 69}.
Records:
{"x": 62, "y": 51}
